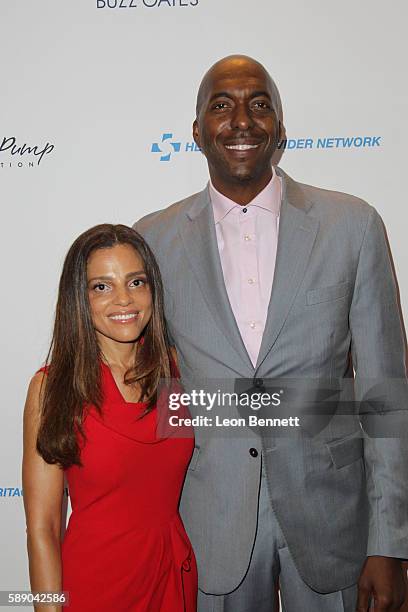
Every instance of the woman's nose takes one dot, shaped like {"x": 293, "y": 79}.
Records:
{"x": 123, "y": 296}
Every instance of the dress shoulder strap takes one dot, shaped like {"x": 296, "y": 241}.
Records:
{"x": 44, "y": 369}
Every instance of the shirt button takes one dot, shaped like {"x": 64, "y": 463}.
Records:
{"x": 251, "y": 281}
{"x": 244, "y": 210}
{"x": 247, "y": 238}
{"x": 252, "y": 325}
{"x": 253, "y": 452}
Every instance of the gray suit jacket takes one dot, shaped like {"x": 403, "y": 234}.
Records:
{"x": 338, "y": 495}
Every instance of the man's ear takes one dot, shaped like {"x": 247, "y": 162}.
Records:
{"x": 282, "y": 131}
{"x": 196, "y": 134}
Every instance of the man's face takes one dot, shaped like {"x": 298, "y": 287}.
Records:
{"x": 236, "y": 126}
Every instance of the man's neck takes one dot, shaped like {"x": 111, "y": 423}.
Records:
{"x": 241, "y": 192}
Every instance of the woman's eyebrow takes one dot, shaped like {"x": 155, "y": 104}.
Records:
{"x": 107, "y": 278}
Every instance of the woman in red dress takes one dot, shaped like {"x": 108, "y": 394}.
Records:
{"x": 96, "y": 414}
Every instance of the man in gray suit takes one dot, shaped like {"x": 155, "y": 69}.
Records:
{"x": 265, "y": 279}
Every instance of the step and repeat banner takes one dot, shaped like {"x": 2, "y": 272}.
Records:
{"x": 97, "y": 102}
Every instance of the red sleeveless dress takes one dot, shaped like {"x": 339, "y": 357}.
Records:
{"x": 125, "y": 548}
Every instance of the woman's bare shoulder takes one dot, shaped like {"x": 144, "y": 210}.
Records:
{"x": 34, "y": 394}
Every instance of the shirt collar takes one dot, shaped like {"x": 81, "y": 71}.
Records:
{"x": 269, "y": 199}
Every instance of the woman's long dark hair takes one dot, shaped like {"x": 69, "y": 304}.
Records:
{"x": 74, "y": 374}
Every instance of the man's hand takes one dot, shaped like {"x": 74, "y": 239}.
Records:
{"x": 382, "y": 581}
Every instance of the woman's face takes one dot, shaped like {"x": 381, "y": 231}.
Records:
{"x": 119, "y": 295}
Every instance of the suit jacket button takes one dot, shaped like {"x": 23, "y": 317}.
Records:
{"x": 258, "y": 382}
{"x": 253, "y": 452}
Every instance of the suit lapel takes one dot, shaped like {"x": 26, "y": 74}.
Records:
{"x": 297, "y": 234}
{"x": 199, "y": 238}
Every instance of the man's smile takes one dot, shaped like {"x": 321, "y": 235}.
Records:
{"x": 241, "y": 147}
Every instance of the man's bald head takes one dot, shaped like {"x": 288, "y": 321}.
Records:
{"x": 231, "y": 66}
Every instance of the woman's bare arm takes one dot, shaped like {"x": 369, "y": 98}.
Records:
{"x": 43, "y": 489}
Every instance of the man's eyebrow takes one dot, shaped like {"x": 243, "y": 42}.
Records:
{"x": 255, "y": 94}
{"x": 259, "y": 94}
{"x": 220, "y": 94}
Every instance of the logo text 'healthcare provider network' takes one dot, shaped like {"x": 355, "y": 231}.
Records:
{"x": 343, "y": 142}
{"x": 132, "y": 4}
{"x": 169, "y": 145}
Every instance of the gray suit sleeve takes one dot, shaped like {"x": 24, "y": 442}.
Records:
{"x": 378, "y": 352}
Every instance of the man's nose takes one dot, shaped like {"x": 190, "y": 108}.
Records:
{"x": 242, "y": 118}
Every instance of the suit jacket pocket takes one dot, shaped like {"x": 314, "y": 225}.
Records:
{"x": 328, "y": 294}
{"x": 346, "y": 451}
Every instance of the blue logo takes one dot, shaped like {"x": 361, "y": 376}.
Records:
{"x": 168, "y": 146}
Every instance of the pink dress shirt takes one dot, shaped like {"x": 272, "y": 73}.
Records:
{"x": 247, "y": 238}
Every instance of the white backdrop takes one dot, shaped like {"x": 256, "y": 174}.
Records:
{"x": 95, "y": 88}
